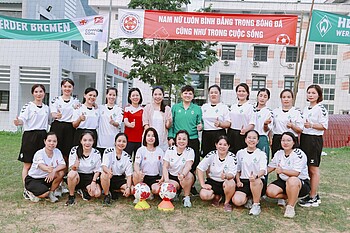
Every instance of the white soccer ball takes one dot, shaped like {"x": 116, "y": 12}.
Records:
{"x": 167, "y": 191}
{"x": 141, "y": 191}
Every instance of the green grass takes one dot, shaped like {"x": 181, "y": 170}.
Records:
{"x": 19, "y": 215}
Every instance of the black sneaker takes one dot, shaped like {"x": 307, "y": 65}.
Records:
{"x": 71, "y": 200}
{"x": 194, "y": 191}
{"x": 318, "y": 199}
{"x": 84, "y": 194}
{"x": 308, "y": 201}
{"x": 107, "y": 199}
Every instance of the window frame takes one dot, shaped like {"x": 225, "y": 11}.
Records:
{"x": 3, "y": 100}
{"x": 228, "y": 52}
{"x": 294, "y": 54}
{"x": 258, "y": 79}
{"x": 260, "y": 55}
{"x": 225, "y": 78}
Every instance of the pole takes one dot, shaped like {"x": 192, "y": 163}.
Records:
{"x": 108, "y": 42}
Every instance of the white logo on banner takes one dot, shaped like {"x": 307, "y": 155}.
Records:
{"x": 130, "y": 24}
{"x": 324, "y": 26}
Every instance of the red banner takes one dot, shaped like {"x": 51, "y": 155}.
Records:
{"x": 266, "y": 29}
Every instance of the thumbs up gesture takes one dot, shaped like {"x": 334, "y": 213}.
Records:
{"x": 82, "y": 117}
{"x": 17, "y": 121}
{"x": 132, "y": 124}
{"x": 223, "y": 175}
{"x": 290, "y": 124}
{"x": 251, "y": 177}
{"x": 243, "y": 131}
{"x": 58, "y": 114}
{"x": 268, "y": 121}
{"x": 111, "y": 121}
{"x": 308, "y": 124}
{"x": 279, "y": 170}
{"x": 217, "y": 122}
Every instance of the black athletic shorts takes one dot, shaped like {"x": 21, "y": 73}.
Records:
{"x": 312, "y": 146}
{"x": 32, "y": 141}
{"x": 37, "y": 186}
{"x": 65, "y": 135}
{"x": 216, "y": 186}
{"x": 305, "y": 186}
{"x": 117, "y": 182}
{"x": 246, "y": 187}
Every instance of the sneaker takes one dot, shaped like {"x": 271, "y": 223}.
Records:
{"x": 281, "y": 202}
{"x": 255, "y": 210}
{"x": 70, "y": 201}
{"x": 194, "y": 191}
{"x": 64, "y": 189}
{"x": 52, "y": 197}
{"x": 136, "y": 201}
{"x": 84, "y": 194}
{"x": 32, "y": 197}
{"x": 318, "y": 199}
{"x": 249, "y": 203}
{"x": 308, "y": 201}
{"x": 290, "y": 212}
{"x": 216, "y": 200}
{"x": 187, "y": 202}
{"x": 107, "y": 199}
{"x": 25, "y": 194}
{"x": 58, "y": 192}
{"x": 227, "y": 207}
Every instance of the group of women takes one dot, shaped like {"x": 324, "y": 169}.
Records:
{"x": 164, "y": 144}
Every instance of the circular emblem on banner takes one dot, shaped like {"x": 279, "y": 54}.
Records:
{"x": 130, "y": 23}
{"x": 283, "y": 39}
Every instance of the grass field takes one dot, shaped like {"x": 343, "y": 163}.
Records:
{"x": 19, "y": 215}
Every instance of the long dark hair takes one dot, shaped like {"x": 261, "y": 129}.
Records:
{"x": 162, "y": 104}
{"x": 80, "y": 146}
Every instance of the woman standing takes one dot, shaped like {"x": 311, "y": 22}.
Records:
{"x": 216, "y": 119}
{"x": 133, "y": 121}
{"x": 311, "y": 141}
{"x": 285, "y": 119}
{"x": 34, "y": 117}
{"x": 242, "y": 117}
{"x": 110, "y": 119}
{"x": 86, "y": 117}
{"x": 158, "y": 116}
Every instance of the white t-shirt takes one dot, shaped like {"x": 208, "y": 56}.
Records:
{"x": 241, "y": 116}
{"x": 64, "y": 107}
{"x": 177, "y": 162}
{"x": 34, "y": 117}
{"x": 91, "y": 117}
{"x": 282, "y": 118}
{"x": 261, "y": 116}
{"x": 212, "y": 162}
{"x": 150, "y": 162}
{"x": 296, "y": 161}
{"x": 40, "y": 157}
{"x": 158, "y": 124}
{"x": 316, "y": 115}
{"x": 251, "y": 162}
{"x": 87, "y": 165}
{"x": 212, "y": 113}
{"x": 122, "y": 166}
{"x": 105, "y": 131}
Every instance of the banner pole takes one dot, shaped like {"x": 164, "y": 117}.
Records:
{"x": 107, "y": 52}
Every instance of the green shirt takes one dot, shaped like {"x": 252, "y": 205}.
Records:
{"x": 185, "y": 119}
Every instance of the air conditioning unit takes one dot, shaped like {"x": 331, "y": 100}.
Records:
{"x": 290, "y": 66}
{"x": 256, "y": 64}
{"x": 226, "y": 63}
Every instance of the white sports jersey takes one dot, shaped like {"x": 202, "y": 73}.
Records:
{"x": 105, "y": 131}
{"x": 316, "y": 115}
{"x": 91, "y": 117}
{"x": 212, "y": 162}
{"x": 40, "y": 157}
{"x": 281, "y": 119}
{"x": 241, "y": 116}
{"x": 122, "y": 166}
{"x": 296, "y": 161}
{"x": 177, "y": 162}
{"x": 212, "y": 113}
{"x": 87, "y": 165}
{"x": 64, "y": 107}
{"x": 248, "y": 163}
{"x": 34, "y": 117}
{"x": 150, "y": 162}
{"x": 261, "y": 116}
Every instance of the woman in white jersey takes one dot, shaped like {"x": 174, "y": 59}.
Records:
{"x": 242, "y": 118}
{"x": 251, "y": 168}
{"x": 117, "y": 170}
{"x": 62, "y": 108}
{"x": 111, "y": 116}
{"x": 157, "y": 115}
{"x": 34, "y": 118}
{"x": 293, "y": 180}
{"x": 220, "y": 166}
{"x": 149, "y": 161}
{"x": 85, "y": 166}
{"x": 285, "y": 119}
{"x": 46, "y": 172}
{"x": 86, "y": 117}
{"x": 311, "y": 141}
{"x": 177, "y": 163}
{"x": 215, "y": 119}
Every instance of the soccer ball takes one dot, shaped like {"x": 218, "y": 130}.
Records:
{"x": 141, "y": 191}
{"x": 167, "y": 191}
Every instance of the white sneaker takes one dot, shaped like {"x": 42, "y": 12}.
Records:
{"x": 136, "y": 201}
{"x": 32, "y": 197}
{"x": 281, "y": 202}
{"x": 187, "y": 202}
{"x": 52, "y": 197}
{"x": 249, "y": 204}
{"x": 255, "y": 210}
{"x": 58, "y": 192}
{"x": 25, "y": 194}
{"x": 64, "y": 188}
{"x": 290, "y": 212}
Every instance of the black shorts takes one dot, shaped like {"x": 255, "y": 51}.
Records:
{"x": 312, "y": 146}
{"x": 79, "y": 132}
{"x": 246, "y": 188}
{"x": 132, "y": 147}
{"x": 195, "y": 145}
{"x": 37, "y": 186}
{"x": 236, "y": 140}
{"x": 209, "y": 138}
{"x": 85, "y": 180}
{"x": 174, "y": 178}
{"x": 65, "y": 135}
{"x": 216, "y": 186}
{"x": 149, "y": 180}
{"x": 32, "y": 141}
{"x": 276, "y": 144}
{"x": 117, "y": 182}
{"x": 305, "y": 186}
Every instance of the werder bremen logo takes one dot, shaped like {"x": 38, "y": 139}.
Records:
{"x": 324, "y": 26}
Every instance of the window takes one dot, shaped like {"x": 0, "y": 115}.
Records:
{"x": 86, "y": 48}
{"x": 75, "y": 44}
{"x": 289, "y": 82}
{"x": 260, "y": 53}
{"x": 228, "y": 52}
{"x": 325, "y": 64}
{"x": 4, "y": 100}
{"x": 226, "y": 81}
{"x": 258, "y": 82}
{"x": 324, "y": 79}
{"x": 291, "y": 54}
{"x": 326, "y": 49}
{"x": 330, "y": 108}
{"x": 328, "y": 93}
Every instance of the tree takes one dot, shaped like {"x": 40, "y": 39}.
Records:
{"x": 164, "y": 62}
